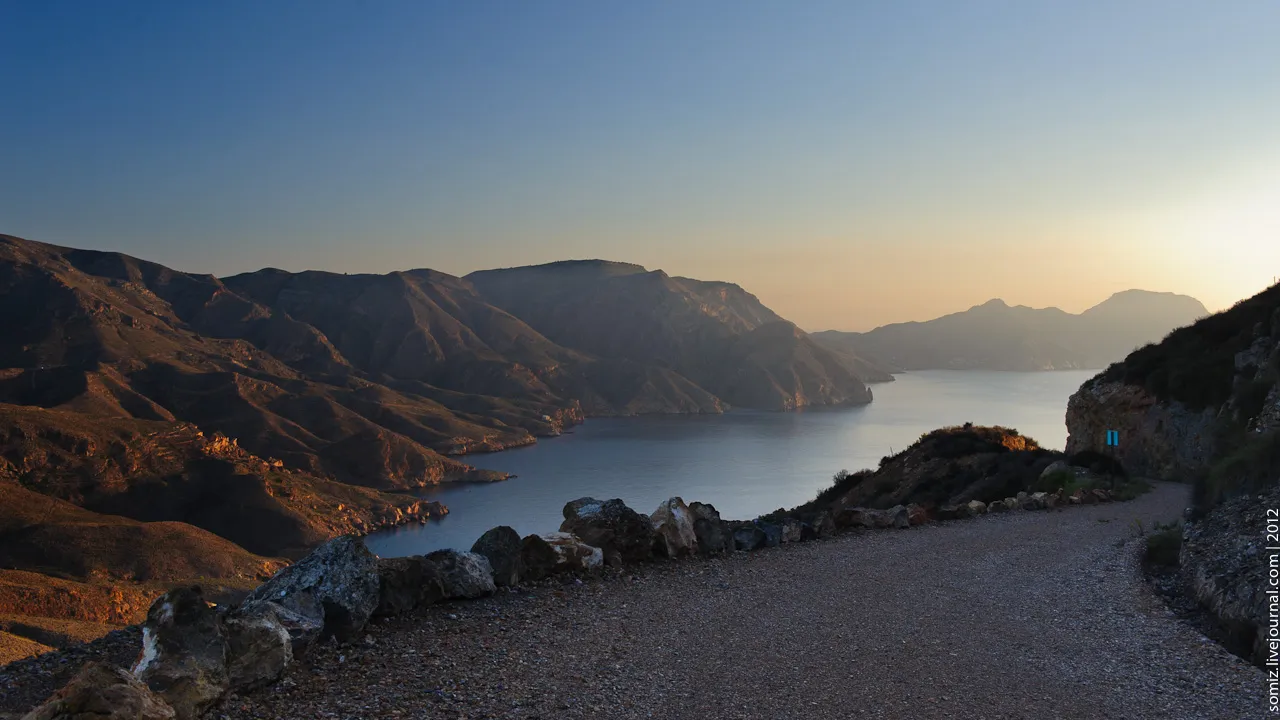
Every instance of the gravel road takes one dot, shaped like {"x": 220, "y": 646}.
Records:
{"x": 1024, "y": 615}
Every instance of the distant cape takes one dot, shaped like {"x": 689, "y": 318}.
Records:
{"x": 997, "y": 336}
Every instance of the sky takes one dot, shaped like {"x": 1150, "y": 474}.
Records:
{"x": 850, "y": 163}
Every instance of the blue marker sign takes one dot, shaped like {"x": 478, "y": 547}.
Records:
{"x": 1113, "y": 438}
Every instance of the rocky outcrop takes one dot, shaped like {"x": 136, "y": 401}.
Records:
{"x": 407, "y": 583}
{"x": 463, "y": 574}
{"x": 101, "y": 692}
{"x": 622, "y": 534}
{"x": 713, "y": 535}
{"x": 259, "y": 649}
{"x": 1223, "y": 563}
{"x": 748, "y": 537}
{"x": 501, "y": 547}
{"x": 184, "y": 652}
{"x": 336, "y": 587}
{"x": 1158, "y": 439}
{"x": 572, "y": 554}
{"x": 538, "y": 557}
{"x": 674, "y": 534}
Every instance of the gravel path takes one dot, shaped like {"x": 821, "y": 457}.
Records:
{"x": 1025, "y": 615}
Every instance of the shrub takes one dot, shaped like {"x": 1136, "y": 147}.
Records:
{"x": 1252, "y": 465}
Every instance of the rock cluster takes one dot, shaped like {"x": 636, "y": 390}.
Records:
{"x": 194, "y": 654}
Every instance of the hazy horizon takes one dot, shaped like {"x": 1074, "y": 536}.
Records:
{"x": 850, "y": 166}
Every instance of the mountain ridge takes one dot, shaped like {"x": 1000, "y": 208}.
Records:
{"x": 997, "y": 336}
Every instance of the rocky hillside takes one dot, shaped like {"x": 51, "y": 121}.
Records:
{"x": 1203, "y": 406}
{"x": 255, "y": 416}
{"x": 996, "y": 336}
{"x": 715, "y": 334}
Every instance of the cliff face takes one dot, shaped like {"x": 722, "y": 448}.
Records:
{"x": 1165, "y": 440}
{"x": 1204, "y": 406}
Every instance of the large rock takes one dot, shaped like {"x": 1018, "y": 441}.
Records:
{"x": 977, "y": 507}
{"x": 501, "y": 547}
{"x": 674, "y": 535}
{"x": 463, "y": 574}
{"x": 406, "y": 583}
{"x": 855, "y": 517}
{"x": 793, "y": 531}
{"x": 713, "y": 534}
{"x": 336, "y": 586}
{"x": 881, "y": 519}
{"x": 184, "y": 652}
{"x": 258, "y": 646}
{"x": 749, "y": 537}
{"x": 100, "y": 692}
{"x": 772, "y": 533}
{"x": 538, "y": 557}
{"x": 899, "y": 517}
{"x": 917, "y": 515}
{"x": 824, "y": 526}
{"x": 954, "y": 512}
{"x": 623, "y": 534}
{"x": 572, "y": 554}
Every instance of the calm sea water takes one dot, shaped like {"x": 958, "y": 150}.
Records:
{"x": 745, "y": 463}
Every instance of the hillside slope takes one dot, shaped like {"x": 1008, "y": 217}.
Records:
{"x": 996, "y": 336}
{"x": 1203, "y": 406}
{"x": 715, "y": 334}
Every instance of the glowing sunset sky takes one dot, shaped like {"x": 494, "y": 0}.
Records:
{"x": 850, "y": 163}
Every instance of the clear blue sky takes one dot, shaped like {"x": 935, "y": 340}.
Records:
{"x": 851, "y": 163}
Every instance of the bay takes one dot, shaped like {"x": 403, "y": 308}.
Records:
{"x": 746, "y": 463}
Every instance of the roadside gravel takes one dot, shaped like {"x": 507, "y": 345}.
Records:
{"x": 1024, "y": 615}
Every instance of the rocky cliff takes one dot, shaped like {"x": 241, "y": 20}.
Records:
{"x": 1203, "y": 406}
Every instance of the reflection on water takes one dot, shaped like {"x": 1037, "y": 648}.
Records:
{"x": 745, "y": 463}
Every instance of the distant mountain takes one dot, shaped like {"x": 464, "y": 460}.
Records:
{"x": 996, "y": 336}
{"x": 715, "y": 334}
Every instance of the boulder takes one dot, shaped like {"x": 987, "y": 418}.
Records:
{"x": 623, "y": 534}
{"x": 1038, "y": 501}
{"x": 977, "y": 507}
{"x": 792, "y": 530}
{"x": 880, "y": 519}
{"x": 538, "y": 557}
{"x": 501, "y": 547}
{"x": 1076, "y": 498}
{"x": 1101, "y": 495}
{"x": 1056, "y": 467}
{"x": 854, "y": 517}
{"x": 101, "y": 692}
{"x": 463, "y": 574}
{"x": 772, "y": 533}
{"x": 749, "y": 537}
{"x": 917, "y": 515}
{"x": 824, "y": 525}
{"x": 673, "y": 531}
{"x": 184, "y": 652}
{"x": 954, "y": 512}
{"x": 405, "y": 583}
{"x": 258, "y": 646}
{"x": 1022, "y": 498}
{"x": 899, "y": 517}
{"x": 572, "y": 554}
{"x": 335, "y": 586}
{"x": 997, "y": 506}
{"x": 713, "y": 534}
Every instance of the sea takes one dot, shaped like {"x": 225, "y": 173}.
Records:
{"x": 746, "y": 463}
